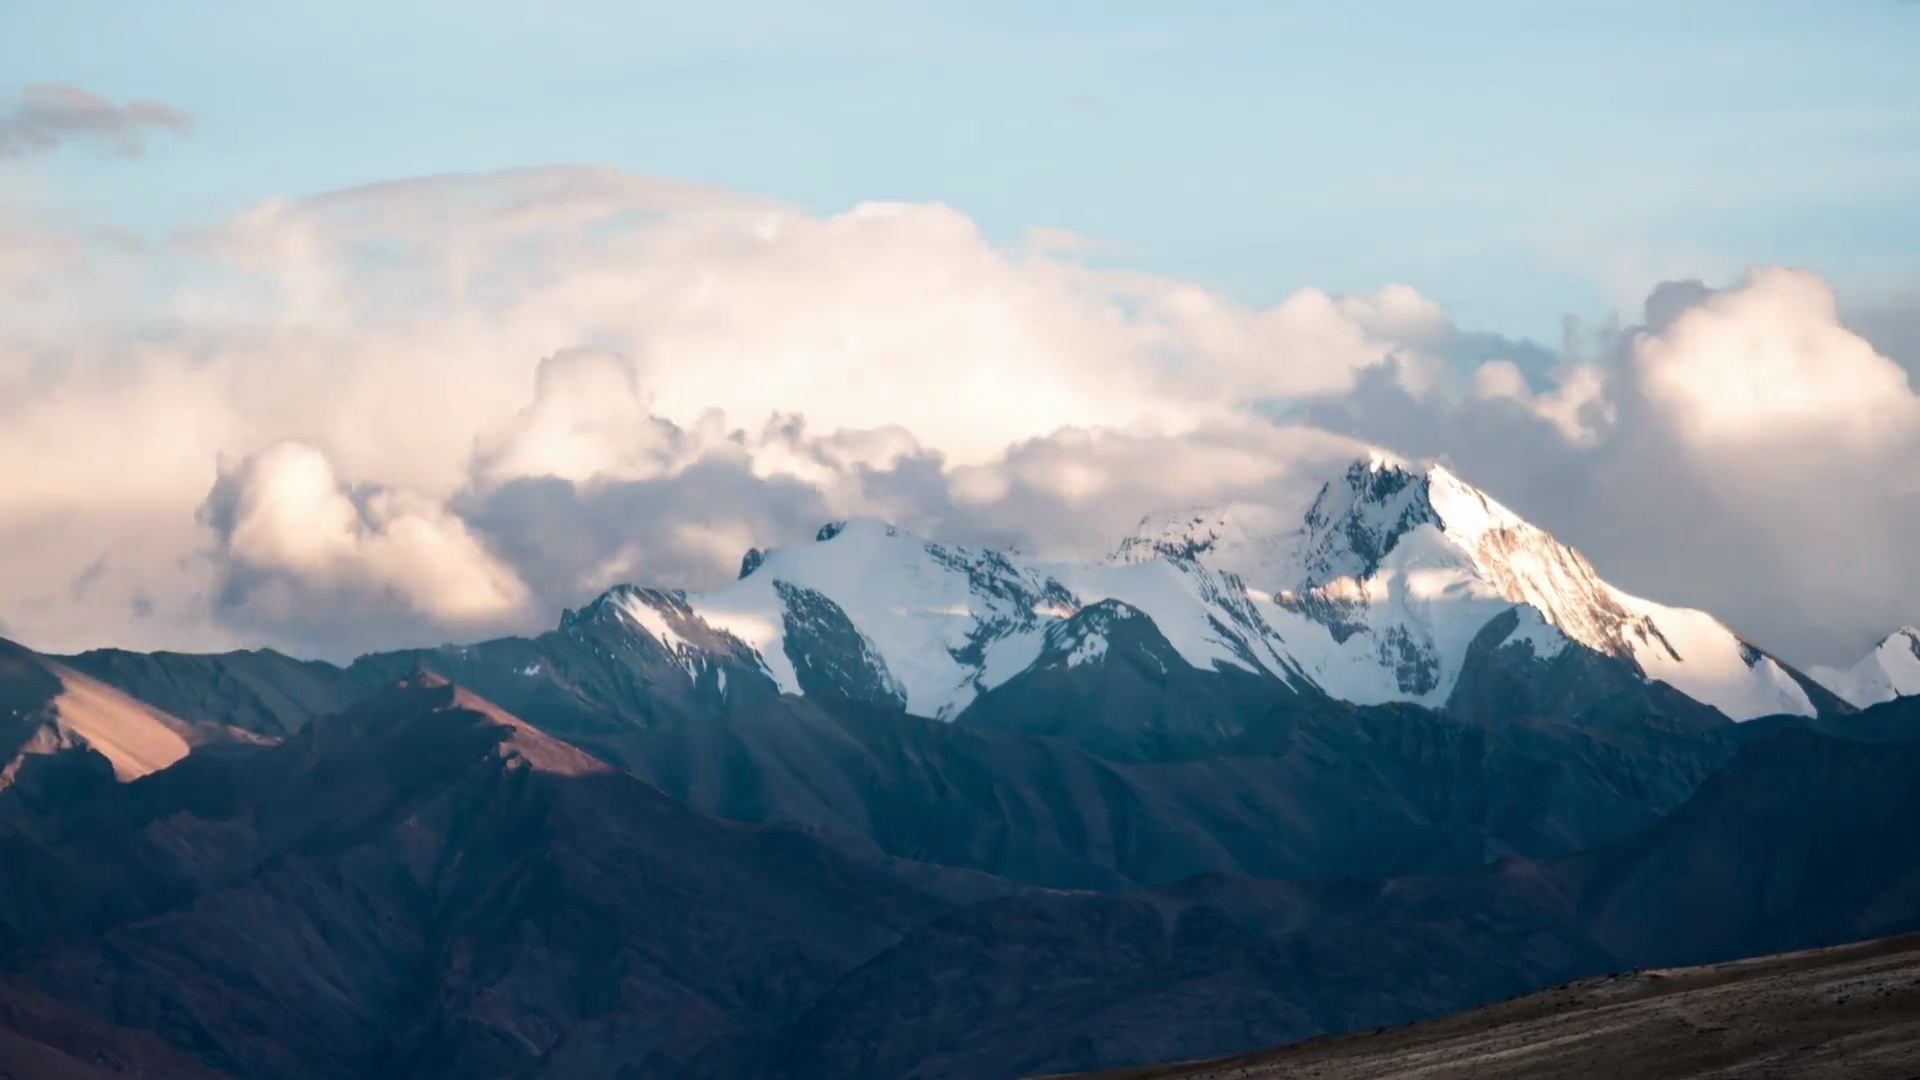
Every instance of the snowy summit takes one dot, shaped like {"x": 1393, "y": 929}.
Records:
{"x": 1891, "y": 670}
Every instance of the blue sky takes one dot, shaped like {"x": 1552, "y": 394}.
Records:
{"x": 1515, "y": 161}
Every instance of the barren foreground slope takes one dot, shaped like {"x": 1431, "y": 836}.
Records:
{"x": 1851, "y": 1011}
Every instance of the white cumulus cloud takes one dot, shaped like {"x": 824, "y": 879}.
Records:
{"x": 1768, "y": 362}
{"x": 297, "y": 544}
{"x": 422, "y": 410}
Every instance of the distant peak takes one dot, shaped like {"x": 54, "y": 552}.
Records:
{"x": 857, "y": 529}
{"x": 1461, "y": 510}
{"x": 1906, "y": 635}
{"x": 1362, "y": 508}
{"x": 1357, "y": 519}
{"x": 868, "y": 527}
{"x": 1378, "y": 468}
{"x": 620, "y": 601}
{"x": 421, "y": 679}
{"x": 1381, "y": 477}
{"x": 1172, "y": 536}
{"x": 1890, "y": 669}
{"x": 1382, "y": 472}
{"x": 1379, "y": 461}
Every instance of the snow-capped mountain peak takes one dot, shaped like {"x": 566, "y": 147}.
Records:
{"x": 1239, "y": 537}
{"x": 1358, "y": 516}
{"x": 1401, "y": 566}
{"x": 870, "y": 610}
{"x": 1356, "y": 520}
{"x": 1891, "y": 670}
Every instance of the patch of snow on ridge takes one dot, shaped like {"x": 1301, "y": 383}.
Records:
{"x": 755, "y": 620}
{"x": 1088, "y": 637}
{"x": 1534, "y": 631}
{"x": 1091, "y": 648}
{"x": 650, "y": 619}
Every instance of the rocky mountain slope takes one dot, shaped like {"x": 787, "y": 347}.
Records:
{"x": 1321, "y": 792}
{"x": 1312, "y": 787}
{"x": 425, "y": 885}
{"x": 47, "y": 706}
{"x": 261, "y": 691}
{"x": 41, "y": 1039}
{"x": 1791, "y": 846}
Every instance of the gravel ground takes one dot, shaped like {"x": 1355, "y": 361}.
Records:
{"x": 1850, "y": 1012}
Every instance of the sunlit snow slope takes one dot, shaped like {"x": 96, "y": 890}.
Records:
{"x": 1891, "y": 670}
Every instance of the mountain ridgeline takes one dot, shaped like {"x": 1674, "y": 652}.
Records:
{"x": 1399, "y": 586}
{"x": 885, "y": 808}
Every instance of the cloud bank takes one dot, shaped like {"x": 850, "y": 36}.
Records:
{"x": 48, "y": 116}
{"x": 449, "y": 407}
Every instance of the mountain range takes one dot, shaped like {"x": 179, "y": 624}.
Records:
{"x": 1400, "y": 585}
{"x": 883, "y": 807}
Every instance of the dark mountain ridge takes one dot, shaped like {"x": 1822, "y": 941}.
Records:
{"x": 1064, "y": 983}
{"x": 426, "y": 884}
